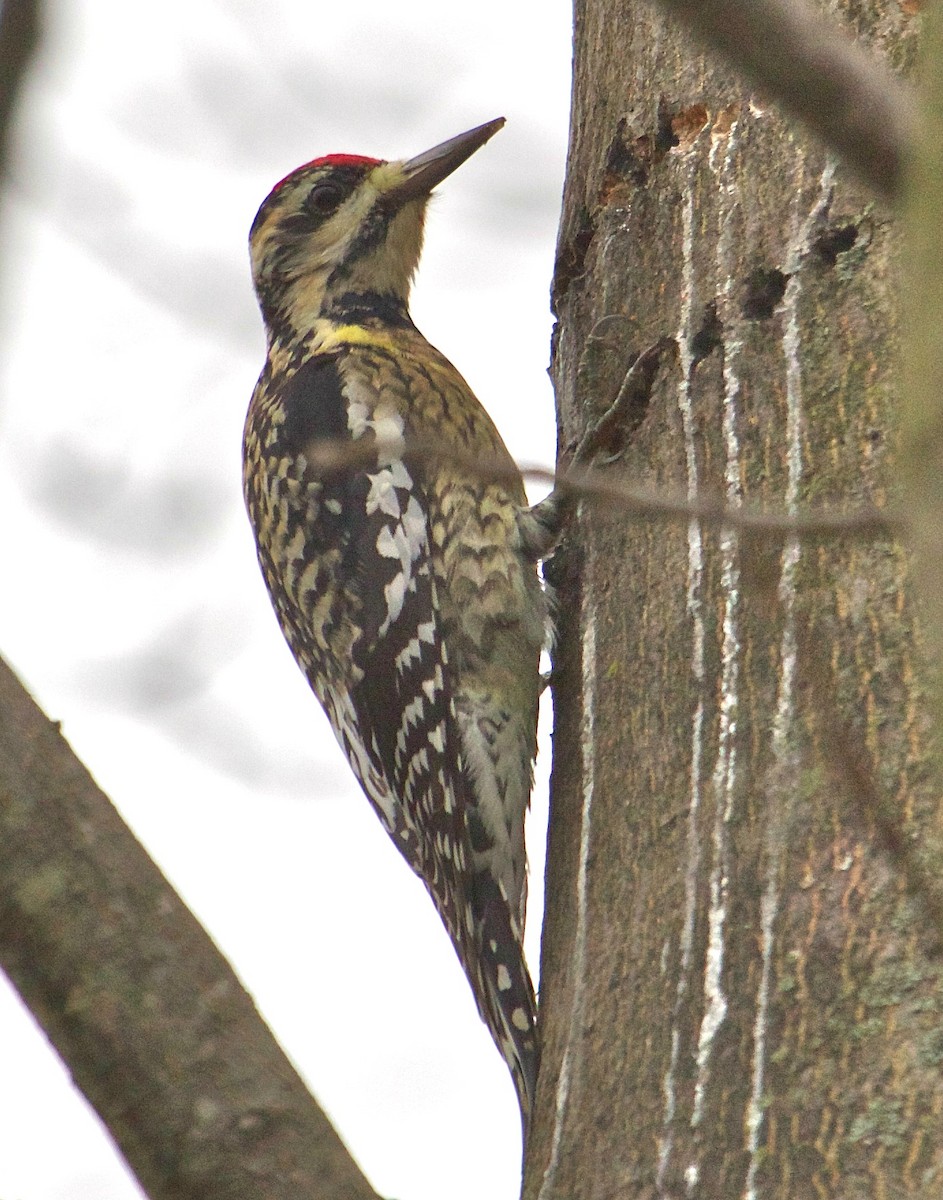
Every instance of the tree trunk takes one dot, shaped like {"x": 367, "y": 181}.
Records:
{"x": 741, "y": 983}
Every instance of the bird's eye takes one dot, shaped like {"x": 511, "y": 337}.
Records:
{"x": 323, "y": 199}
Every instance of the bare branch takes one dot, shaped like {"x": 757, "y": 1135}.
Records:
{"x": 789, "y": 50}
{"x": 156, "y": 1029}
{"x": 863, "y": 523}
{"x": 598, "y": 485}
{"x": 19, "y": 39}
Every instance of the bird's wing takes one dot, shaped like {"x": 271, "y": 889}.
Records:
{"x": 398, "y": 724}
{"x": 375, "y": 596}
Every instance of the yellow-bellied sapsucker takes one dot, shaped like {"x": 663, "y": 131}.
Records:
{"x": 405, "y": 586}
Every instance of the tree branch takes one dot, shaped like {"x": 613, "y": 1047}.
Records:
{"x": 19, "y": 39}
{"x": 333, "y": 457}
{"x": 845, "y": 96}
{"x": 156, "y": 1029}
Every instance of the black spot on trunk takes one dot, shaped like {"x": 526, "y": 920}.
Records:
{"x": 763, "y": 289}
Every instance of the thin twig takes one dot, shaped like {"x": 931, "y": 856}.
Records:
{"x": 845, "y": 95}
{"x": 635, "y": 388}
{"x": 335, "y": 457}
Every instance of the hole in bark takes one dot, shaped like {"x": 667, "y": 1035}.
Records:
{"x": 708, "y": 336}
{"x": 762, "y": 291}
{"x": 627, "y": 160}
{"x": 835, "y": 240}
{"x": 572, "y": 261}
{"x": 665, "y": 136}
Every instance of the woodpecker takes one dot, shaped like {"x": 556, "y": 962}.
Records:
{"x": 406, "y": 586}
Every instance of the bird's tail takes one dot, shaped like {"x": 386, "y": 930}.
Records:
{"x": 507, "y": 1003}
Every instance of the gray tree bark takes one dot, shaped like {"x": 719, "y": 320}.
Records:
{"x": 741, "y": 981}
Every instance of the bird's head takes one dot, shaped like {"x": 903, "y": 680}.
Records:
{"x": 345, "y": 227}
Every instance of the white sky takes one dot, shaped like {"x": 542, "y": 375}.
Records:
{"x": 131, "y": 602}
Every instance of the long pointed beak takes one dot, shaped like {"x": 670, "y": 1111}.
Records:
{"x": 426, "y": 170}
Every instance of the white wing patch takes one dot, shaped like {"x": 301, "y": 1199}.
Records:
{"x": 403, "y": 538}
{"x": 382, "y": 496}
{"x": 412, "y": 651}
